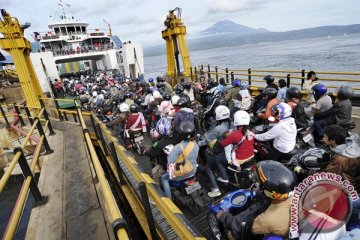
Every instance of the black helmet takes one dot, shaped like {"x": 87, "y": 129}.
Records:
{"x": 282, "y": 83}
{"x": 166, "y": 96}
{"x": 183, "y": 102}
{"x": 270, "y": 93}
{"x": 160, "y": 79}
{"x": 127, "y": 95}
{"x": 211, "y": 83}
{"x": 276, "y": 180}
{"x": 160, "y": 85}
{"x": 179, "y": 89}
{"x": 138, "y": 100}
{"x": 148, "y": 90}
{"x": 186, "y": 85}
{"x": 186, "y": 129}
{"x": 269, "y": 79}
{"x": 345, "y": 92}
{"x": 293, "y": 92}
{"x": 121, "y": 97}
{"x": 134, "y": 108}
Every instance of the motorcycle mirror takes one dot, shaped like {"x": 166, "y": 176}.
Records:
{"x": 271, "y": 119}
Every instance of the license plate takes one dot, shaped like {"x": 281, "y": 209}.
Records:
{"x": 138, "y": 139}
{"x": 192, "y": 188}
{"x": 307, "y": 137}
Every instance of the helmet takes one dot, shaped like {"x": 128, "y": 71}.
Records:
{"x": 345, "y": 92}
{"x": 160, "y": 85}
{"x": 276, "y": 180}
{"x": 212, "y": 83}
{"x": 160, "y": 79}
{"x": 134, "y": 108}
{"x": 243, "y": 85}
{"x": 314, "y": 159}
{"x": 186, "y": 129}
{"x": 319, "y": 90}
{"x": 179, "y": 89}
{"x": 269, "y": 79}
{"x": 121, "y": 97}
{"x": 222, "y": 113}
{"x": 237, "y": 82}
{"x": 154, "y": 134}
{"x": 150, "y": 80}
{"x": 164, "y": 127}
{"x": 94, "y": 94}
{"x": 167, "y": 96}
{"x": 174, "y": 100}
{"x": 270, "y": 93}
{"x": 156, "y": 94}
{"x": 124, "y": 107}
{"x": 183, "y": 102}
{"x": 186, "y": 85}
{"x": 127, "y": 95}
{"x": 241, "y": 118}
{"x": 282, "y": 83}
{"x": 282, "y": 110}
{"x": 293, "y": 92}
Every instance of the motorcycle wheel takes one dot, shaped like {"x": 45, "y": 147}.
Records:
{"x": 138, "y": 148}
{"x": 214, "y": 225}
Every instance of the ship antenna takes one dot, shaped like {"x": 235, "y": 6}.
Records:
{"x": 63, "y": 9}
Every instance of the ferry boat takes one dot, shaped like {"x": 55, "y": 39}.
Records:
{"x": 70, "y": 46}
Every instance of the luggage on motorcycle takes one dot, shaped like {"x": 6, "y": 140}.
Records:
{"x": 182, "y": 165}
{"x": 241, "y": 227}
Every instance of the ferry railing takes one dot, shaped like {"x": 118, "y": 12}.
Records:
{"x": 293, "y": 77}
{"x": 138, "y": 196}
{"x": 28, "y": 171}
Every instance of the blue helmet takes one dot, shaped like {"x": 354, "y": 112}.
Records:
{"x": 237, "y": 82}
{"x": 243, "y": 85}
{"x": 319, "y": 90}
{"x": 150, "y": 80}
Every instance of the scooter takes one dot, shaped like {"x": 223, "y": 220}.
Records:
{"x": 187, "y": 193}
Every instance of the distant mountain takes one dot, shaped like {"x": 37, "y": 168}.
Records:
{"x": 241, "y": 35}
{"x": 230, "y": 27}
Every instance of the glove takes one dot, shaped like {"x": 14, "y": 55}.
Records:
{"x": 298, "y": 169}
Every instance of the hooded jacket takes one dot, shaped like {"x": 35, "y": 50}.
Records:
{"x": 340, "y": 113}
{"x": 284, "y": 135}
{"x": 345, "y": 162}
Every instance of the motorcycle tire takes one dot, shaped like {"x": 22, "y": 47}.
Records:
{"x": 216, "y": 227}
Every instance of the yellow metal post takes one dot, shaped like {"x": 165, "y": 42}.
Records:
{"x": 19, "y": 47}
{"x": 174, "y": 35}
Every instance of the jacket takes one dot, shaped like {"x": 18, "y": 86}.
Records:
{"x": 246, "y": 150}
{"x": 192, "y": 157}
{"x": 301, "y": 118}
{"x": 185, "y": 114}
{"x": 214, "y": 134}
{"x": 339, "y": 113}
{"x": 121, "y": 118}
{"x": 268, "y": 111}
{"x": 345, "y": 162}
{"x": 157, "y": 151}
{"x": 132, "y": 120}
{"x": 284, "y": 135}
{"x": 230, "y": 95}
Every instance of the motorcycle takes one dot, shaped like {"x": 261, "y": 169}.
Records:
{"x": 304, "y": 138}
{"x": 187, "y": 193}
{"x": 234, "y": 203}
{"x": 136, "y": 139}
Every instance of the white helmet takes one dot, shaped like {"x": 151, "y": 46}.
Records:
{"x": 174, "y": 99}
{"x": 156, "y": 94}
{"x": 222, "y": 112}
{"x": 124, "y": 107}
{"x": 282, "y": 110}
{"x": 94, "y": 94}
{"x": 241, "y": 118}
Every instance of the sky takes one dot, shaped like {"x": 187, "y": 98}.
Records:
{"x": 142, "y": 20}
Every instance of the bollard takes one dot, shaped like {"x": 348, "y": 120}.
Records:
{"x": 148, "y": 212}
{"x": 216, "y": 72}
{"x": 39, "y": 199}
{"x": 302, "y": 78}
{"x": 42, "y": 133}
{"x": 4, "y": 116}
{"x": 19, "y": 116}
{"x": 46, "y": 116}
{"x": 249, "y": 77}
{"x": 29, "y": 115}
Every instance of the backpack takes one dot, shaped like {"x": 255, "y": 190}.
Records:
{"x": 182, "y": 165}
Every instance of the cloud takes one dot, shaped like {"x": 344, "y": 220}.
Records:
{"x": 232, "y": 6}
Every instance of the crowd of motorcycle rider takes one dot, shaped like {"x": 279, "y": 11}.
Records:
{"x": 218, "y": 120}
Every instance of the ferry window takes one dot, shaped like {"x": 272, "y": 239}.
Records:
{"x": 57, "y": 30}
{"x": 63, "y": 30}
{"x": 71, "y": 29}
{"x": 83, "y": 29}
{"x": 78, "y": 29}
